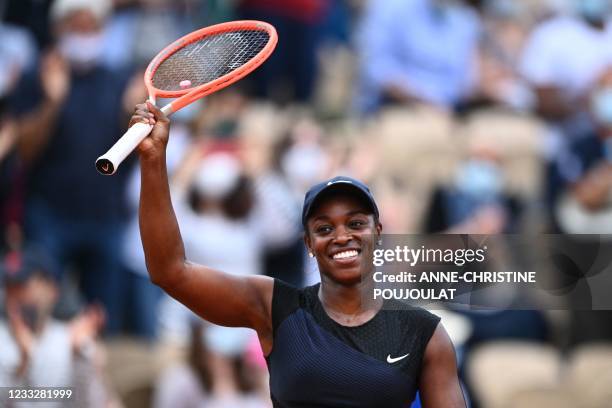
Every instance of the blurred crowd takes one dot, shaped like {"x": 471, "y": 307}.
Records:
{"x": 465, "y": 116}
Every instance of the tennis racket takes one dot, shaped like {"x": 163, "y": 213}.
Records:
{"x": 192, "y": 67}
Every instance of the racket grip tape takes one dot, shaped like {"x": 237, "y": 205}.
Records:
{"x": 108, "y": 163}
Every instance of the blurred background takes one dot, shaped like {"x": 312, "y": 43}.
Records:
{"x": 475, "y": 116}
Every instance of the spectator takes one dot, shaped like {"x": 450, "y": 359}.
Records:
{"x": 291, "y": 71}
{"x": 199, "y": 384}
{"x": 17, "y": 54}
{"x": 588, "y": 178}
{"x": 476, "y": 202}
{"x": 187, "y": 385}
{"x": 506, "y": 25}
{"x": 159, "y": 21}
{"x": 562, "y": 59}
{"x": 421, "y": 51}
{"x": 583, "y": 208}
{"x": 299, "y": 160}
{"x": 67, "y": 113}
{"x": 302, "y": 157}
{"x": 40, "y": 351}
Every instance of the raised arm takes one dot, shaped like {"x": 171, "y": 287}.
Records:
{"x": 35, "y": 128}
{"x": 439, "y": 383}
{"x": 224, "y": 299}
{"x": 593, "y": 189}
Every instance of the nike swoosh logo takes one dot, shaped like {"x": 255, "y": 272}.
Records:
{"x": 396, "y": 359}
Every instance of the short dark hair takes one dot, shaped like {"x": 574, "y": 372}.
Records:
{"x": 18, "y": 267}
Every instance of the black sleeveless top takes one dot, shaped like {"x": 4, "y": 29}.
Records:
{"x": 316, "y": 362}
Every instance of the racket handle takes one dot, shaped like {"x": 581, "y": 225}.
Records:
{"x": 110, "y": 161}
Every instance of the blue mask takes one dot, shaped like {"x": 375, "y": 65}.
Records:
{"x": 601, "y": 104}
{"x": 593, "y": 10}
{"x": 503, "y": 8}
{"x": 480, "y": 178}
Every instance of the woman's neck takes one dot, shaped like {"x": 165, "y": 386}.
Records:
{"x": 349, "y": 305}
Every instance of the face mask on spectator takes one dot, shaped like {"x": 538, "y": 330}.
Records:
{"x": 82, "y": 50}
{"x": 602, "y": 107}
{"x": 593, "y": 10}
{"x": 189, "y": 112}
{"x": 479, "y": 178}
{"x": 303, "y": 163}
{"x": 502, "y": 8}
{"x": 440, "y": 8}
{"x": 217, "y": 176}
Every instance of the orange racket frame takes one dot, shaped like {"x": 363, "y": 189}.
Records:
{"x": 109, "y": 162}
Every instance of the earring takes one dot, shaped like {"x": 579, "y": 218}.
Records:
{"x": 379, "y": 242}
{"x": 310, "y": 254}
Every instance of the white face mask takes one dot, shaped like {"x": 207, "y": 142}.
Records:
{"x": 303, "y": 163}
{"x": 82, "y": 50}
{"x": 185, "y": 115}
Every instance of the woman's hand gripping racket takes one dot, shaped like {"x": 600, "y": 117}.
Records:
{"x": 192, "y": 67}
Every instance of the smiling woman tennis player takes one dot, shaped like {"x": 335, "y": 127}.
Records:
{"x": 324, "y": 345}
